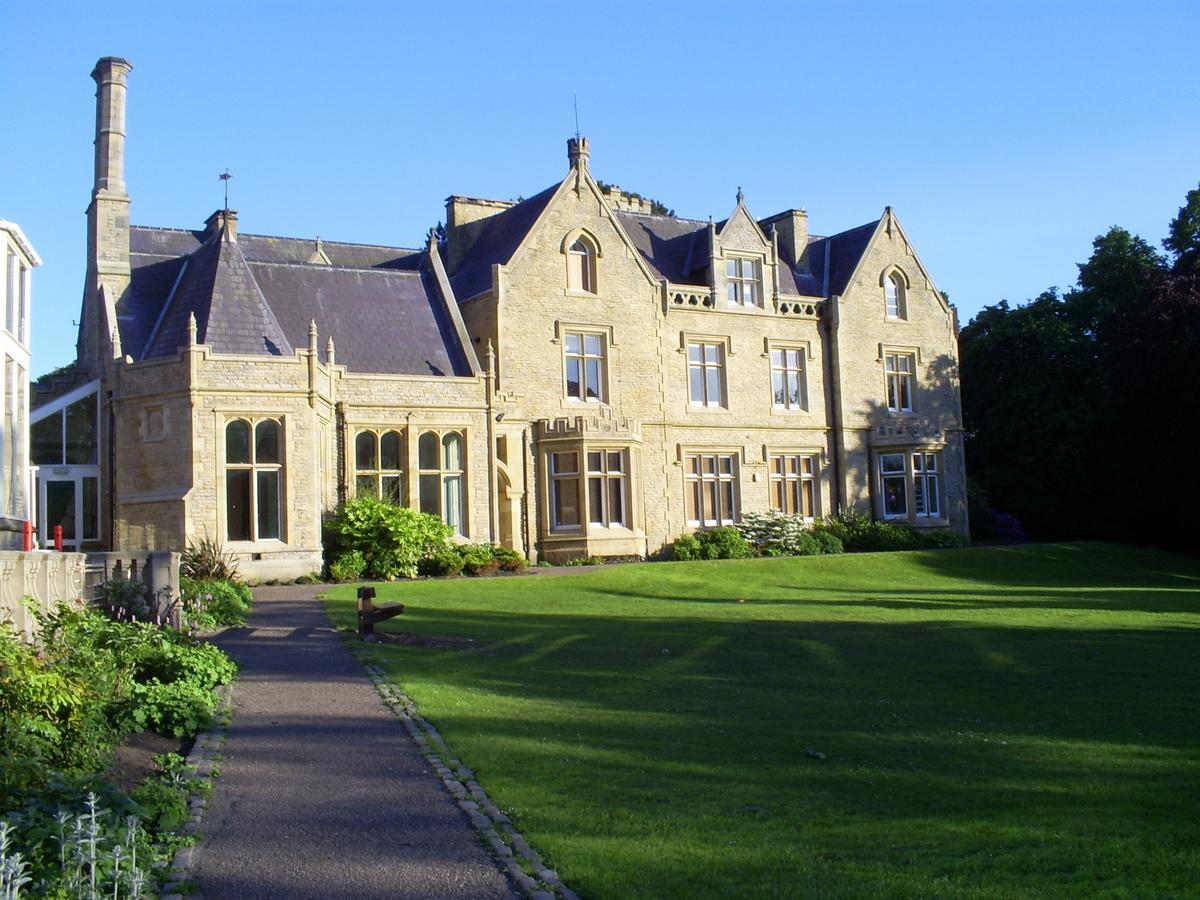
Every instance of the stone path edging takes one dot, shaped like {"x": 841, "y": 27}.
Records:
{"x": 200, "y": 764}
{"x": 494, "y": 826}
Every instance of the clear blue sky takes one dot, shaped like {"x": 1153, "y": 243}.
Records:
{"x": 1005, "y": 135}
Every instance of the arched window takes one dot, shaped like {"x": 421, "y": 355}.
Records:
{"x": 893, "y": 296}
{"x": 581, "y": 266}
{"x": 253, "y": 480}
{"x": 379, "y": 466}
{"x": 441, "y": 482}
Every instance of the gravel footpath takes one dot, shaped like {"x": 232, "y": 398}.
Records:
{"x": 322, "y": 793}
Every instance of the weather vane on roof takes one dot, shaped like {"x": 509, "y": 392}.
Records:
{"x": 575, "y": 95}
{"x": 225, "y": 176}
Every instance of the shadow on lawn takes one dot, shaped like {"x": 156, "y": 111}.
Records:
{"x": 981, "y": 754}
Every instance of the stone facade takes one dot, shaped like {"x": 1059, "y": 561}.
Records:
{"x": 17, "y": 261}
{"x": 608, "y": 379}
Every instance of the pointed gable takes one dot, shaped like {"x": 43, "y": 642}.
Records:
{"x": 497, "y": 243}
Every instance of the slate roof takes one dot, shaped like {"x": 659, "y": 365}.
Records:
{"x": 256, "y": 296}
{"x": 496, "y": 244}
{"x": 845, "y": 250}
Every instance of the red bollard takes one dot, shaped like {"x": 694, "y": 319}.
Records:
{"x": 58, "y": 538}
{"x": 27, "y": 542}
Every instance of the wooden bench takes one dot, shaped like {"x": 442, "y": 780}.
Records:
{"x": 369, "y": 613}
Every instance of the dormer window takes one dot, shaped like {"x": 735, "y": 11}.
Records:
{"x": 581, "y": 266}
{"x": 893, "y": 296}
{"x": 742, "y": 281}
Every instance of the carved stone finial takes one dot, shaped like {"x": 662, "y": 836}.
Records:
{"x": 192, "y": 329}
{"x": 329, "y": 351}
{"x": 312, "y": 335}
{"x": 740, "y": 195}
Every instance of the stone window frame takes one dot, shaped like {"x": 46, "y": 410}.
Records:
{"x": 255, "y": 467}
{"x": 581, "y": 478}
{"x": 894, "y": 379}
{"x": 910, "y": 472}
{"x": 896, "y": 279}
{"x": 737, "y": 282}
{"x": 780, "y": 478}
{"x": 582, "y": 267}
{"x": 377, "y": 472}
{"x": 445, "y": 473}
{"x": 804, "y": 348}
{"x": 695, "y": 479}
{"x": 725, "y": 345}
{"x": 583, "y": 333}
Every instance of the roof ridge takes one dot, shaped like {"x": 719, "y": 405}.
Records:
{"x": 332, "y": 267}
{"x": 277, "y": 237}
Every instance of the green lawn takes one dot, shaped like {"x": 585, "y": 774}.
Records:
{"x": 997, "y": 722}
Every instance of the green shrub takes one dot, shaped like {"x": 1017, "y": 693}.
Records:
{"x": 723, "y": 543}
{"x": 392, "y": 539}
{"x": 827, "y": 541}
{"x": 942, "y": 538}
{"x": 213, "y": 602}
{"x": 348, "y": 566}
{"x": 686, "y": 547}
{"x": 207, "y": 560}
{"x": 447, "y": 562}
{"x": 479, "y": 560}
{"x": 176, "y": 708}
{"x": 776, "y": 533}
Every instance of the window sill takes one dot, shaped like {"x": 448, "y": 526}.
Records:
{"x": 575, "y": 292}
{"x": 264, "y": 546}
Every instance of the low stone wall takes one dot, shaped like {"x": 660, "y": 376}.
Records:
{"x": 49, "y": 577}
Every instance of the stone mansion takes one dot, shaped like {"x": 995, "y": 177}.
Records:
{"x": 569, "y": 375}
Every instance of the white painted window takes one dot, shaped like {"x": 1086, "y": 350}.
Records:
{"x": 789, "y": 386}
{"x": 584, "y": 366}
{"x": 442, "y": 477}
{"x": 607, "y": 506}
{"x": 926, "y": 499}
{"x": 901, "y": 381}
{"x": 564, "y": 490}
{"x": 794, "y": 484}
{"x": 893, "y": 297}
{"x": 253, "y": 479}
{"x": 379, "y": 466}
{"x": 706, "y": 374}
{"x": 743, "y": 279}
{"x": 581, "y": 266}
{"x": 894, "y": 484}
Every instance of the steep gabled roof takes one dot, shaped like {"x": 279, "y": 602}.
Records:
{"x": 497, "y": 243}
{"x": 845, "y": 249}
{"x": 257, "y": 296}
{"x": 676, "y": 249}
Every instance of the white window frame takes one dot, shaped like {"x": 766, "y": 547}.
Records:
{"x": 927, "y": 498}
{"x": 377, "y": 472}
{"x": 581, "y": 253}
{"x": 781, "y": 370}
{"x": 707, "y": 368}
{"x": 895, "y": 301}
{"x": 558, "y": 477}
{"x": 608, "y": 478}
{"x": 888, "y": 473}
{"x": 257, "y": 469}
{"x": 900, "y": 380}
{"x": 718, "y": 485}
{"x": 742, "y": 289}
{"x": 446, "y": 474}
{"x": 582, "y": 357}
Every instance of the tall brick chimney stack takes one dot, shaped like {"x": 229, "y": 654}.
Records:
{"x": 108, "y": 216}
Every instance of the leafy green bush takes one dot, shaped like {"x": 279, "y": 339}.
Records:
{"x": 827, "y": 541}
{"x": 473, "y": 559}
{"x": 213, "y": 602}
{"x": 776, "y": 533}
{"x": 723, "y": 543}
{"x": 941, "y": 539}
{"x": 348, "y": 566}
{"x": 447, "y": 562}
{"x": 207, "y": 560}
{"x": 392, "y": 539}
{"x": 685, "y": 548}
{"x": 176, "y": 708}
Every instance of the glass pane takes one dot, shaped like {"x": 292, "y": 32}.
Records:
{"x": 935, "y": 508}
{"x": 696, "y": 384}
{"x": 566, "y": 502}
{"x": 732, "y": 292}
{"x": 90, "y": 514}
{"x": 691, "y": 491}
{"x": 364, "y": 450}
{"x": 616, "y": 461}
{"x": 237, "y": 500}
{"x": 793, "y": 358}
{"x": 894, "y": 501}
{"x": 777, "y": 388}
{"x": 591, "y": 344}
{"x": 562, "y": 463}
{"x": 726, "y": 464}
{"x": 431, "y": 494}
{"x": 268, "y": 505}
{"x": 366, "y": 486}
{"x": 593, "y": 380}
{"x": 726, "y": 501}
{"x": 891, "y": 462}
{"x": 596, "y": 501}
{"x": 46, "y": 440}
{"x": 777, "y": 358}
{"x": 710, "y": 502}
{"x": 579, "y": 247}
{"x": 616, "y": 501}
{"x": 393, "y": 490}
{"x": 389, "y": 451}
{"x": 794, "y": 398}
{"x": 712, "y": 353}
{"x": 695, "y": 353}
{"x": 266, "y": 442}
{"x": 574, "y": 386}
{"x": 452, "y": 443}
{"x": 806, "y": 494}
{"x": 237, "y": 445}
{"x": 890, "y": 363}
{"x": 595, "y": 461}
{"x": 573, "y": 344}
{"x": 454, "y": 503}
{"x": 714, "y": 387}
{"x": 930, "y": 462}
{"x": 81, "y": 432}
{"x": 731, "y": 268}
{"x": 709, "y": 465}
{"x": 427, "y": 451}
{"x": 892, "y": 400}
{"x": 60, "y": 509}
{"x": 808, "y": 465}
{"x": 905, "y": 392}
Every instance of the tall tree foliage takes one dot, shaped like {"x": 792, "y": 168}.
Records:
{"x": 1080, "y": 407}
